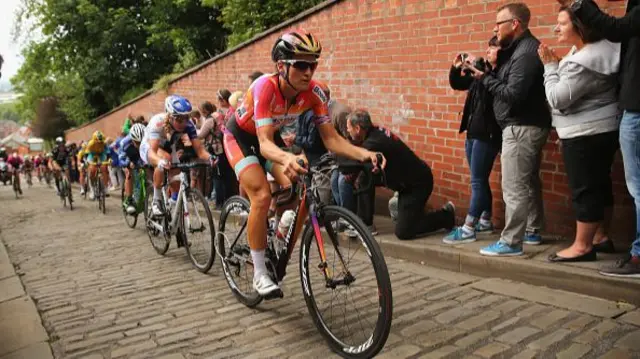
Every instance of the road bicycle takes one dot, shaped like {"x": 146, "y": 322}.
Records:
{"x": 100, "y": 192}
{"x": 188, "y": 217}
{"x": 329, "y": 273}
{"x": 138, "y": 196}
{"x": 16, "y": 183}
{"x": 65, "y": 189}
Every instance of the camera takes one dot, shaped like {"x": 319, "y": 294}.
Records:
{"x": 479, "y": 64}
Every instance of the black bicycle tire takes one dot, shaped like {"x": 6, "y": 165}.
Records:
{"x": 385, "y": 313}
{"x": 250, "y": 301}
{"x": 211, "y": 260}
{"x": 69, "y": 194}
{"x": 167, "y": 241}
{"x": 101, "y": 202}
{"x": 128, "y": 217}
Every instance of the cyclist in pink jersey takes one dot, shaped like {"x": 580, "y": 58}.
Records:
{"x": 253, "y": 145}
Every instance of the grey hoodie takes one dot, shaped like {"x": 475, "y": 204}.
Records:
{"x": 582, "y": 89}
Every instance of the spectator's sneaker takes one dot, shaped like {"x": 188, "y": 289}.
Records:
{"x": 627, "y": 268}
{"x": 351, "y": 232}
{"x": 501, "y": 249}
{"x": 480, "y": 228}
{"x": 459, "y": 236}
{"x": 372, "y": 228}
{"x": 450, "y": 207}
{"x": 532, "y": 239}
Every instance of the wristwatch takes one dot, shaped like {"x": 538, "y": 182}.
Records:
{"x": 575, "y": 5}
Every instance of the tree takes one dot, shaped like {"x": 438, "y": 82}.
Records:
{"x": 50, "y": 121}
{"x": 9, "y": 112}
{"x": 95, "y": 53}
{"x": 247, "y": 18}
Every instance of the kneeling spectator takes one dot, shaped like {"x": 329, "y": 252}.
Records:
{"x": 405, "y": 173}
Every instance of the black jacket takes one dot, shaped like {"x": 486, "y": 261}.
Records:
{"x": 625, "y": 30}
{"x": 477, "y": 116}
{"x": 517, "y": 86}
{"x": 404, "y": 169}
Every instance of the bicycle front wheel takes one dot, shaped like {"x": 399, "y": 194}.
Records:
{"x": 349, "y": 294}
{"x": 198, "y": 231}
{"x": 234, "y": 251}
{"x": 69, "y": 194}
{"x": 160, "y": 240}
{"x": 100, "y": 190}
{"x": 130, "y": 219}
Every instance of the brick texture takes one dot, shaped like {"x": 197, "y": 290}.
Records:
{"x": 392, "y": 58}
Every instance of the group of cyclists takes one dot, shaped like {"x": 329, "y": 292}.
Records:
{"x": 252, "y": 142}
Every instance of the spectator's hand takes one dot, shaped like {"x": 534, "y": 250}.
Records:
{"x": 547, "y": 55}
{"x": 457, "y": 61}
{"x": 373, "y": 157}
{"x": 477, "y": 74}
{"x": 292, "y": 168}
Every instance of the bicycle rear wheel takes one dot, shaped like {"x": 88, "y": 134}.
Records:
{"x": 68, "y": 193}
{"x": 101, "y": 197}
{"x": 352, "y": 305}
{"x": 199, "y": 232}
{"x": 160, "y": 240}
{"x": 236, "y": 258}
{"x": 130, "y": 219}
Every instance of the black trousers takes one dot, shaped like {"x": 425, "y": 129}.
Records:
{"x": 588, "y": 161}
{"x": 413, "y": 220}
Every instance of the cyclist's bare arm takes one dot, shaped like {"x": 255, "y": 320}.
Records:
{"x": 154, "y": 158}
{"x": 340, "y": 146}
{"x": 268, "y": 148}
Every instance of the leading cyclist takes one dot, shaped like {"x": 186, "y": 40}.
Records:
{"x": 252, "y": 143}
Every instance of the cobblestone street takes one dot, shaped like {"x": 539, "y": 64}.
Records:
{"x": 103, "y": 292}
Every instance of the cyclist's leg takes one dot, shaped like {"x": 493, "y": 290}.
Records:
{"x": 104, "y": 168}
{"x": 277, "y": 172}
{"x": 82, "y": 179}
{"x": 128, "y": 182}
{"x": 56, "y": 174}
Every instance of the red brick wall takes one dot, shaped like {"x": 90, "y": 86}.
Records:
{"x": 392, "y": 57}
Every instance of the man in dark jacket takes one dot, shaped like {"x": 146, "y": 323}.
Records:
{"x": 625, "y": 30}
{"x": 521, "y": 110}
{"x": 405, "y": 173}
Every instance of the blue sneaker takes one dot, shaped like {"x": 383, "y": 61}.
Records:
{"x": 484, "y": 229}
{"x": 459, "y": 236}
{"x": 532, "y": 239}
{"x": 501, "y": 249}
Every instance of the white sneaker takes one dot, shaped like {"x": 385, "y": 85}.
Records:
{"x": 156, "y": 209}
{"x": 264, "y": 285}
{"x": 82, "y": 191}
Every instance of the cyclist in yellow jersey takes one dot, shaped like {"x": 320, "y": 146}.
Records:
{"x": 97, "y": 153}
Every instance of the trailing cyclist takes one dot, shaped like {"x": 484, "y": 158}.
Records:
{"x": 129, "y": 158}
{"x": 15, "y": 164}
{"x": 59, "y": 161}
{"x": 28, "y": 169}
{"x": 82, "y": 166}
{"x": 167, "y": 135}
{"x": 97, "y": 156}
{"x": 252, "y": 140}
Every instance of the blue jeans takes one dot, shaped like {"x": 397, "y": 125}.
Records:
{"x": 630, "y": 147}
{"x": 480, "y": 155}
{"x": 343, "y": 192}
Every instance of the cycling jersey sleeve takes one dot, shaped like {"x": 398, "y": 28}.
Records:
{"x": 263, "y": 92}
{"x": 320, "y": 109}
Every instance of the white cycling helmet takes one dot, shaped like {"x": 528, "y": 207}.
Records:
{"x": 137, "y": 132}
{"x": 59, "y": 140}
{"x": 177, "y": 105}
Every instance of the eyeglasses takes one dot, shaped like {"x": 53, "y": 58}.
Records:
{"x": 302, "y": 65}
{"x": 498, "y": 23}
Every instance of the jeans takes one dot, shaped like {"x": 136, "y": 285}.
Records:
{"x": 521, "y": 184}
{"x": 480, "y": 155}
{"x": 630, "y": 147}
{"x": 342, "y": 191}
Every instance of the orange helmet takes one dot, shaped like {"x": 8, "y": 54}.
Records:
{"x": 298, "y": 42}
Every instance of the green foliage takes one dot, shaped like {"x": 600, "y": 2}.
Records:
{"x": 9, "y": 111}
{"x": 247, "y": 18}
{"x": 162, "y": 84}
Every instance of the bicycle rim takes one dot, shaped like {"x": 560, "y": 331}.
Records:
{"x": 199, "y": 232}
{"x": 236, "y": 261}
{"x": 354, "y": 312}
{"x": 159, "y": 240}
{"x": 130, "y": 219}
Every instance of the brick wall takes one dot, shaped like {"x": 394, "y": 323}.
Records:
{"x": 392, "y": 57}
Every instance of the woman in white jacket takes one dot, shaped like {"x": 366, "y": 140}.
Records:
{"x": 582, "y": 92}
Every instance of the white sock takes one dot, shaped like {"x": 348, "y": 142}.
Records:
{"x": 468, "y": 229}
{"x": 485, "y": 222}
{"x": 157, "y": 194}
{"x": 259, "y": 266}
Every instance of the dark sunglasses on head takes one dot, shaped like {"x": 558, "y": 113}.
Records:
{"x": 302, "y": 65}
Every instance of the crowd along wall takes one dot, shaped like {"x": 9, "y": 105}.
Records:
{"x": 392, "y": 58}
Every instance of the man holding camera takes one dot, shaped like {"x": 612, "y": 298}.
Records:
{"x": 521, "y": 110}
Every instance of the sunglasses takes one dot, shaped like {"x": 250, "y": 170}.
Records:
{"x": 180, "y": 118}
{"x": 504, "y": 21}
{"x": 302, "y": 65}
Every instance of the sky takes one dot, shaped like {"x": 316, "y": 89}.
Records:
{"x": 10, "y": 51}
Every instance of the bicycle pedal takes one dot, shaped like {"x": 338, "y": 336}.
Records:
{"x": 276, "y": 294}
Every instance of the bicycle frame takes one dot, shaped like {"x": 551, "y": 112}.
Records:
{"x": 180, "y": 211}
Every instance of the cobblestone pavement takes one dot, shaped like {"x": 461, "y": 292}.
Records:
{"x": 103, "y": 292}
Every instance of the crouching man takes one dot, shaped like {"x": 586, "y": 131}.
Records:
{"x": 405, "y": 173}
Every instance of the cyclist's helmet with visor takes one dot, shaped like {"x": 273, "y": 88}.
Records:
{"x": 59, "y": 140}
{"x": 98, "y": 136}
{"x": 137, "y": 132}
{"x": 295, "y": 43}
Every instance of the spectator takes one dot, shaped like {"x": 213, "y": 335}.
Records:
{"x": 581, "y": 90}
{"x": 236, "y": 99}
{"x": 521, "y": 110}
{"x": 223, "y": 96}
{"x": 341, "y": 189}
{"x": 625, "y": 30}
{"x": 484, "y": 138}
{"x": 128, "y": 122}
{"x": 211, "y": 134}
{"x": 405, "y": 173}
{"x": 140, "y": 119}
{"x": 254, "y": 76}
{"x": 195, "y": 118}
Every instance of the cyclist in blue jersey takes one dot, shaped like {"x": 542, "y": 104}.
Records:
{"x": 129, "y": 157}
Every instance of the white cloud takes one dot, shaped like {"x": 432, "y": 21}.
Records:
{"x": 9, "y": 50}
